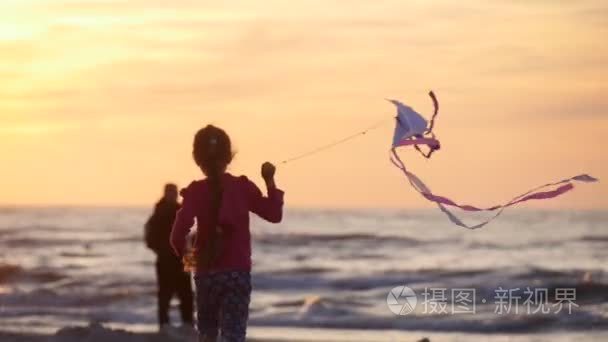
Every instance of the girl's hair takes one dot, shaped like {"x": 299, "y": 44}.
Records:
{"x": 212, "y": 152}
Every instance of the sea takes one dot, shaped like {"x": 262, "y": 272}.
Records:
{"x": 530, "y": 273}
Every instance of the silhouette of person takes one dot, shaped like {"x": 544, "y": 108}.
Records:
{"x": 171, "y": 278}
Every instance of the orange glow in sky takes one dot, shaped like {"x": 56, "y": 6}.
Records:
{"x": 100, "y": 99}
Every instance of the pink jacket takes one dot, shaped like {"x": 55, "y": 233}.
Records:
{"x": 240, "y": 196}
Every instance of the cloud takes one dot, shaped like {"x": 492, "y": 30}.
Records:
{"x": 120, "y": 6}
{"x": 542, "y": 63}
{"x": 183, "y": 56}
{"x": 587, "y": 108}
{"x": 596, "y": 16}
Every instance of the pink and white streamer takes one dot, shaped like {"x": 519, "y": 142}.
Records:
{"x": 557, "y": 189}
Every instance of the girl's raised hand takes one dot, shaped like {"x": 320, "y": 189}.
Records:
{"x": 268, "y": 170}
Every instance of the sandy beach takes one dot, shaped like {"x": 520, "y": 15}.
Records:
{"x": 98, "y": 333}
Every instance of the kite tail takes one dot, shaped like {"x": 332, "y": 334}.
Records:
{"x": 563, "y": 186}
{"x": 429, "y": 131}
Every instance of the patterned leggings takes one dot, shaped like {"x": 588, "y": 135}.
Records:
{"x": 222, "y": 300}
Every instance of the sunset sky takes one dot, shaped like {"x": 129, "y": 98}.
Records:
{"x": 100, "y": 99}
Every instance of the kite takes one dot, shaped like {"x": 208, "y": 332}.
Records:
{"x": 412, "y": 129}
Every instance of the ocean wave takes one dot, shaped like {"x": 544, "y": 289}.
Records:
{"x": 297, "y": 239}
{"x": 594, "y": 238}
{"x": 58, "y": 299}
{"x": 264, "y": 281}
{"x": 442, "y": 272}
{"x": 132, "y": 238}
{"x": 9, "y": 271}
{"x": 362, "y": 255}
{"x": 20, "y": 242}
{"x": 486, "y": 245}
{"x": 18, "y": 274}
{"x": 8, "y": 231}
{"x": 485, "y": 280}
{"x": 391, "y": 277}
{"x": 571, "y": 276}
{"x": 42, "y": 275}
{"x": 80, "y": 255}
{"x": 311, "y": 300}
{"x": 298, "y": 270}
{"x": 37, "y": 242}
{"x": 326, "y": 280}
{"x": 323, "y": 316}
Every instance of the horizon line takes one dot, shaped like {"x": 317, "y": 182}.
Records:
{"x": 34, "y": 206}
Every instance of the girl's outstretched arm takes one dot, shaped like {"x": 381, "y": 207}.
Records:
{"x": 269, "y": 208}
{"x": 184, "y": 220}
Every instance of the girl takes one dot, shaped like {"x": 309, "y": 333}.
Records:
{"x": 221, "y": 204}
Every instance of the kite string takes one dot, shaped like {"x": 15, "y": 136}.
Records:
{"x": 334, "y": 143}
